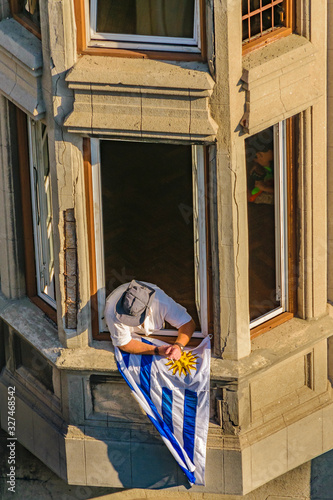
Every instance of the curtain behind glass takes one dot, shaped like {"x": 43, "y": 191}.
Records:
{"x": 171, "y": 18}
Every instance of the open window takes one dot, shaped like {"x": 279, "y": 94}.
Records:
{"x": 26, "y": 12}
{"x": 271, "y": 219}
{"x": 147, "y": 206}
{"x": 174, "y": 26}
{"x": 37, "y": 212}
{"x": 265, "y": 20}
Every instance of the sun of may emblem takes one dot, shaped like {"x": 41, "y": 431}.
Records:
{"x": 185, "y": 364}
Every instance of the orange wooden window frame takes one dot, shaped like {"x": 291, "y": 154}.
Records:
{"x": 91, "y": 241}
{"x": 21, "y": 18}
{"x": 291, "y": 126}
{"x": 97, "y": 335}
{"x": 83, "y": 48}
{"x": 275, "y": 34}
{"x": 29, "y": 246}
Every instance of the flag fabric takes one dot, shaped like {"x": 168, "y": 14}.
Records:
{"x": 175, "y": 397}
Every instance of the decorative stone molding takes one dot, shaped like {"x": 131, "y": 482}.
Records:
{"x": 141, "y": 98}
{"x": 21, "y": 66}
{"x": 280, "y": 81}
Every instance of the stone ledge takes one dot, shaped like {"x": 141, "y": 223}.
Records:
{"x": 280, "y": 81}
{"x": 276, "y": 58}
{"x": 128, "y": 72}
{"x": 21, "y": 66}
{"x": 33, "y": 325}
{"x": 269, "y": 349}
{"x": 274, "y": 346}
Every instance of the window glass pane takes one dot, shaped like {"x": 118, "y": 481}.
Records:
{"x": 254, "y": 5}
{"x": 245, "y": 7}
{"x": 261, "y": 170}
{"x": 30, "y": 8}
{"x": 40, "y": 176}
{"x": 148, "y": 217}
{"x": 267, "y": 19}
{"x": 255, "y": 25}
{"x": 245, "y": 29}
{"x": 279, "y": 15}
{"x": 172, "y": 18}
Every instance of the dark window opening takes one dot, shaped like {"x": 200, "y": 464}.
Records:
{"x": 148, "y": 217}
{"x": 28, "y": 357}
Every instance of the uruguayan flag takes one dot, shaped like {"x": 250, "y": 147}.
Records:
{"x": 175, "y": 397}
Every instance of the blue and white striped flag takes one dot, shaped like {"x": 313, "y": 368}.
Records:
{"x": 175, "y": 397}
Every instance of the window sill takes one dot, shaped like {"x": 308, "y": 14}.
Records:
{"x": 263, "y": 41}
{"x": 142, "y": 54}
{"x": 273, "y": 347}
{"x": 272, "y": 323}
{"x": 276, "y": 57}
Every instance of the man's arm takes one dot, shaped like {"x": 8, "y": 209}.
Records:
{"x": 185, "y": 332}
{"x": 171, "y": 351}
{"x": 138, "y": 347}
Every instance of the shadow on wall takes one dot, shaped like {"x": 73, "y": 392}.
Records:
{"x": 322, "y": 477}
{"x": 36, "y": 482}
{"x": 133, "y": 463}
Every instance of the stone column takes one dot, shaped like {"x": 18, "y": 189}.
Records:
{"x": 227, "y": 107}
{"x": 330, "y": 149}
{"x": 59, "y": 55}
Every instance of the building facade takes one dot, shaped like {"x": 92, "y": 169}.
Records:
{"x": 182, "y": 143}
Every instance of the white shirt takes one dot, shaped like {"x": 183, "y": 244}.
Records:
{"x": 163, "y": 308}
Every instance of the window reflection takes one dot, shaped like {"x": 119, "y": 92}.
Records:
{"x": 263, "y": 287}
{"x": 30, "y": 9}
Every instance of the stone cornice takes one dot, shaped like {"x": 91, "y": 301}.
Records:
{"x": 141, "y": 98}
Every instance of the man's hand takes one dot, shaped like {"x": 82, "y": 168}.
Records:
{"x": 173, "y": 352}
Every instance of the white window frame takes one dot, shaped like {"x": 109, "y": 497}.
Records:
{"x": 281, "y": 223}
{"x": 42, "y": 231}
{"x": 199, "y": 205}
{"x": 142, "y": 42}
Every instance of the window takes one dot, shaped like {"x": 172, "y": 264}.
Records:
{"x": 141, "y": 25}
{"x": 42, "y": 209}
{"x": 28, "y": 358}
{"x": 270, "y": 225}
{"x": 149, "y": 212}
{"x": 26, "y": 12}
{"x": 37, "y": 213}
{"x": 264, "y": 20}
